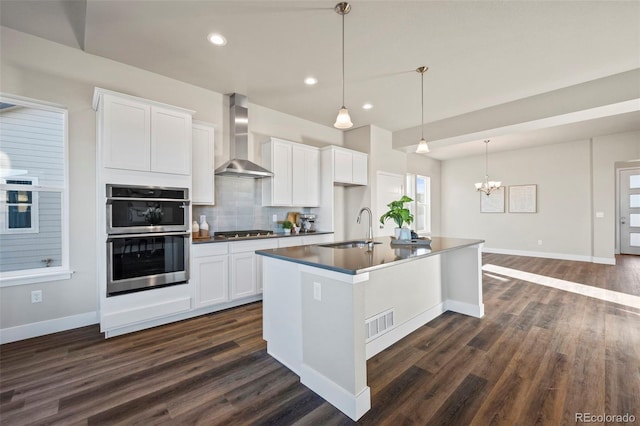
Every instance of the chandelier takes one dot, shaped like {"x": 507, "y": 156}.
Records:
{"x": 488, "y": 186}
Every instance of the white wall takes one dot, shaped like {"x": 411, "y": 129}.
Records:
{"x": 607, "y": 150}
{"x": 377, "y": 142}
{"x": 39, "y": 69}
{"x": 574, "y": 179}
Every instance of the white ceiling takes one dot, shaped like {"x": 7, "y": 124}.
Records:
{"x": 479, "y": 53}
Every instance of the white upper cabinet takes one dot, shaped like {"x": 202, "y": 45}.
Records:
{"x": 349, "y": 166}
{"x": 360, "y": 169}
{"x": 202, "y": 165}
{"x": 126, "y": 133}
{"x": 305, "y": 173}
{"x": 296, "y": 174}
{"x": 170, "y": 141}
{"x": 138, "y": 134}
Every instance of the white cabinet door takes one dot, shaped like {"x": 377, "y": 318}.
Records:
{"x": 312, "y": 177}
{"x": 281, "y": 163}
{"x": 305, "y": 176}
{"x": 126, "y": 133}
{"x": 170, "y": 141}
{"x": 211, "y": 280}
{"x": 298, "y": 176}
{"x": 243, "y": 275}
{"x": 202, "y": 165}
{"x": 342, "y": 166}
{"x": 360, "y": 176}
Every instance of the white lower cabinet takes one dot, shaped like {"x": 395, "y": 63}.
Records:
{"x": 211, "y": 277}
{"x": 209, "y": 274}
{"x": 246, "y": 267}
{"x": 224, "y": 272}
{"x": 244, "y": 275}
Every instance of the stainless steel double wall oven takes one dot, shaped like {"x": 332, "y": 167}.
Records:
{"x": 148, "y": 237}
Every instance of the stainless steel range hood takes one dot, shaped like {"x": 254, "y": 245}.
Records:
{"x": 239, "y": 165}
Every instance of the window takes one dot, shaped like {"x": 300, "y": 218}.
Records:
{"x": 33, "y": 192}
{"x": 419, "y": 188}
{"x": 19, "y": 207}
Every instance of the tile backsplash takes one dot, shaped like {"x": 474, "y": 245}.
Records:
{"x": 239, "y": 206}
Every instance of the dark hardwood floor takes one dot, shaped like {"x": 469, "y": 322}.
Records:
{"x": 539, "y": 356}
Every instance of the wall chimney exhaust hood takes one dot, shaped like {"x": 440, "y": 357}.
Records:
{"x": 239, "y": 165}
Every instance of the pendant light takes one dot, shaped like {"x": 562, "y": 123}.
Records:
{"x": 488, "y": 186}
{"x": 423, "y": 148}
{"x": 343, "y": 121}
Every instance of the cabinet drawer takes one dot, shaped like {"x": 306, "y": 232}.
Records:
{"x": 290, "y": 241}
{"x": 211, "y": 249}
{"x": 253, "y": 245}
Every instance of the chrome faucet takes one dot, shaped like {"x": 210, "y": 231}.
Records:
{"x": 370, "y": 232}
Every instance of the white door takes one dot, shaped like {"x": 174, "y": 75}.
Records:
{"x": 630, "y": 211}
{"x": 390, "y": 187}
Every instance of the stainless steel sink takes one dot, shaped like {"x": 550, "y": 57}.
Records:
{"x": 348, "y": 244}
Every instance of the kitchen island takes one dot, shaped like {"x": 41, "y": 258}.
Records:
{"x": 328, "y": 308}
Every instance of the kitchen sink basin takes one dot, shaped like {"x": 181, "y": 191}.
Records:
{"x": 348, "y": 244}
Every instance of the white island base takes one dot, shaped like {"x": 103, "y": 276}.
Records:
{"x": 316, "y": 319}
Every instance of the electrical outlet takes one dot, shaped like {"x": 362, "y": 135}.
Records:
{"x": 274, "y": 218}
{"x": 539, "y": 242}
{"x": 36, "y": 296}
{"x": 317, "y": 291}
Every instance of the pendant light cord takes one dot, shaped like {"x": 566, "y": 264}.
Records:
{"x": 343, "y": 60}
{"x": 486, "y": 159}
{"x": 422, "y": 103}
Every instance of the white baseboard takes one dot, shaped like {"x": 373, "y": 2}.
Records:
{"x": 464, "y": 308}
{"x": 178, "y": 317}
{"x": 41, "y": 328}
{"x": 545, "y": 255}
{"x": 353, "y": 406}
{"x": 605, "y": 260}
{"x": 381, "y": 343}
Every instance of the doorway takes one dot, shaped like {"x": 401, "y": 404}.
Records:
{"x": 629, "y": 204}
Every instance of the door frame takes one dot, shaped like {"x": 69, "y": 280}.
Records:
{"x": 619, "y": 168}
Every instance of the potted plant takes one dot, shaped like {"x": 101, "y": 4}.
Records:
{"x": 287, "y": 225}
{"x": 400, "y": 215}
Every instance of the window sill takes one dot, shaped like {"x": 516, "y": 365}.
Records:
{"x": 35, "y": 277}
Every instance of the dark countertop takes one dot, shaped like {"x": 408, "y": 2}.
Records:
{"x": 358, "y": 260}
{"x": 276, "y": 235}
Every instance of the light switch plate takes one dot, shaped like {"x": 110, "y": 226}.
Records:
{"x": 317, "y": 291}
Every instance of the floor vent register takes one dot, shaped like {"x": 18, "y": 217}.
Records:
{"x": 379, "y": 324}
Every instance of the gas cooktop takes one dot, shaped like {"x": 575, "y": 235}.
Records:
{"x": 237, "y": 235}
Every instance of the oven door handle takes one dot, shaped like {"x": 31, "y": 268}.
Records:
{"x": 110, "y": 200}
{"x": 148, "y": 234}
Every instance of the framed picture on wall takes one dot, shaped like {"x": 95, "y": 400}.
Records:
{"x": 523, "y": 199}
{"x": 492, "y": 203}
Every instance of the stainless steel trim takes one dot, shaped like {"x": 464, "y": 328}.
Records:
{"x": 173, "y": 200}
{"x": 170, "y": 188}
{"x": 148, "y": 234}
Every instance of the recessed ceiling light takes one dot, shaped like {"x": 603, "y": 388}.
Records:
{"x": 367, "y": 106}
{"x": 217, "y": 39}
{"x": 310, "y": 81}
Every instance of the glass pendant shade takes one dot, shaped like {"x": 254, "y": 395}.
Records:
{"x": 343, "y": 121}
{"x": 423, "y": 147}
